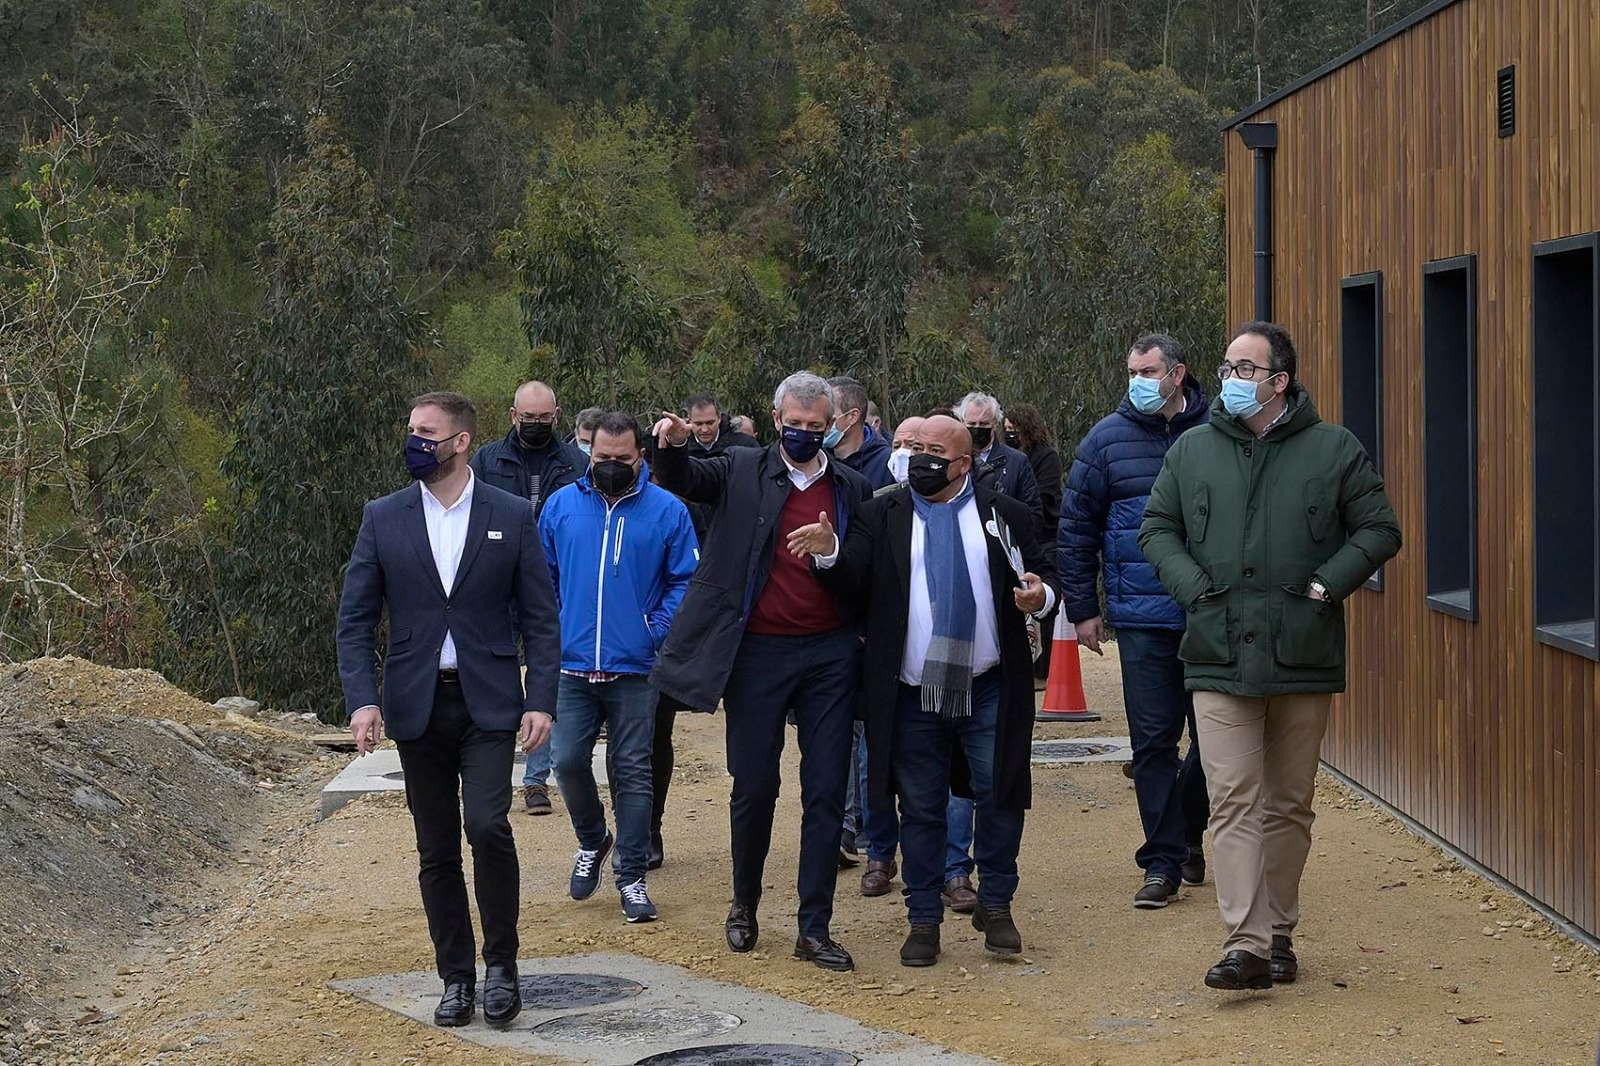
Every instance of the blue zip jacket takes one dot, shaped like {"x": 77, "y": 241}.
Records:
{"x": 1102, "y": 507}
{"x": 620, "y": 571}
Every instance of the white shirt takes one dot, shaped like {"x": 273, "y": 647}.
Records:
{"x": 919, "y": 615}
{"x": 799, "y": 478}
{"x": 447, "y": 536}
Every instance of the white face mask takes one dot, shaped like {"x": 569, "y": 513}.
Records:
{"x": 899, "y": 462}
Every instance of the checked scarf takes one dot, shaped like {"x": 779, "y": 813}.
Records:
{"x": 947, "y": 671}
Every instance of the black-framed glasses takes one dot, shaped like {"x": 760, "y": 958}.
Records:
{"x": 537, "y": 420}
{"x": 1243, "y": 370}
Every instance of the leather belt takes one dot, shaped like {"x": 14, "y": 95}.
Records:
{"x": 449, "y": 677}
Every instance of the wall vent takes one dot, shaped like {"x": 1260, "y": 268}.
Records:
{"x": 1505, "y": 100}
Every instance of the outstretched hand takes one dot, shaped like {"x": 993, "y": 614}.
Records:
{"x": 671, "y": 430}
{"x": 818, "y": 538}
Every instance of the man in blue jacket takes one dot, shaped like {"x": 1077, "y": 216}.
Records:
{"x": 621, "y": 552}
{"x": 1104, "y": 501}
{"x": 457, "y": 566}
{"x": 532, "y": 463}
{"x": 851, "y": 440}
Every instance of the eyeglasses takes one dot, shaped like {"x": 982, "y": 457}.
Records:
{"x": 538, "y": 420}
{"x": 1244, "y": 370}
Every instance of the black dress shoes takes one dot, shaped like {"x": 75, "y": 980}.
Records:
{"x": 456, "y": 1006}
{"x": 921, "y": 947}
{"x": 1285, "y": 967}
{"x": 741, "y": 928}
{"x": 1239, "y": 970}
{"x": 502, "y": 996}
{"x": 823, "y": 952}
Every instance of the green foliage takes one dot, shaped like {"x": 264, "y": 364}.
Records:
{"x": 850, "y": 188}
{"x": 319, "y": 433}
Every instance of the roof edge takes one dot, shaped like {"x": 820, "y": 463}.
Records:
{"x": 1377, "y": 40}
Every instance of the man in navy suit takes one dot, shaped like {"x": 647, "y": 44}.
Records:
{"x": 458, "y": 565}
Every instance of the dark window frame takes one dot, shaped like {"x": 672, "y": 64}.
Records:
{"x": 1560, "y": 632}
{"x": 1370, "y": 280}
{"x": 1436, "y": 493}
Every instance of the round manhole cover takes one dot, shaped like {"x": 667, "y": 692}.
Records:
{"x": 569, "y": 991}
{"x": 752, "y": 1055}
{"x": 394, "y": 775}
{"x": 1069, "y": 749}
{"x": 643, "y": 1023}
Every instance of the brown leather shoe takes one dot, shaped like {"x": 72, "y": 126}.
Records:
{"x": 959, "y": 895}
{"x": 879, "y": 878}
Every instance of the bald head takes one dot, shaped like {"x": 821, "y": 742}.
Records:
{"x": 905, "y": 434}
{"x": 534, "y": 413}
{"x": 944, "y": 436}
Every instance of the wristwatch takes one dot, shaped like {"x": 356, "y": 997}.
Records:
{"x": 1320, "y": 590}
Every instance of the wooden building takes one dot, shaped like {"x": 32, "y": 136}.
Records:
{"x": 1427, "y": 208}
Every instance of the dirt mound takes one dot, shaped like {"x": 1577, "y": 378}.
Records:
{"x": 121, "y": 797}
{"x": 74, "y": 687}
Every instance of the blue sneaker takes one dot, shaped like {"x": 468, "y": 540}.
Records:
{"x": 586, "y": 869}
{"x": 636, "y": 905}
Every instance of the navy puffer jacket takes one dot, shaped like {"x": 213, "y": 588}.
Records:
{"x": 1102, "y": 506}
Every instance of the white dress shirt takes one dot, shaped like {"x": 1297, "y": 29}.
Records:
{"x": 799, "y": 478}
{"x": 447, "y": 536}
{"x": 919, "y": 615}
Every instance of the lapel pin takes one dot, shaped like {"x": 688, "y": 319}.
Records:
{"x": 495, "y": 534}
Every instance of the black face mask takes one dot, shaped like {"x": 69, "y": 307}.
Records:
{"x": 535, "y": 435}
{"x": 613, "y": 477}
{"x": 928, "y": 475}
{"x": 1013, "y": 440}
{"x": 981, "y": 436}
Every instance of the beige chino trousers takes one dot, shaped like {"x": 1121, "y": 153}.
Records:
{"x": 1260, "y": 757}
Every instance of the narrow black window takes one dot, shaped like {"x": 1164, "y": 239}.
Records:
{"x": 1450, "y": 426}
{"x": 1361, "y": 348}
{"x": 1505, "y": 100}
{"x": 1566, "y": 347}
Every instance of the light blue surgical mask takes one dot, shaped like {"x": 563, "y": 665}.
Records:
{"x": 832, "y": 437}
{"x": 1239, "y": 398}
{"x": 584, "y": 446}
{"x": 1145, "y": 393}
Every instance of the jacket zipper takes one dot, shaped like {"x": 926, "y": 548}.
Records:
{"x": 600, "y": 585}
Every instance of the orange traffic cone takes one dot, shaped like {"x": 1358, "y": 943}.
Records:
{"x": 1063, "y": 693}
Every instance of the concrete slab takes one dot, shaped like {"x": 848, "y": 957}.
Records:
{"x": 1076, "y": 750}
{"x": 674, "y": 1016}
{"x": 380, "y": 771}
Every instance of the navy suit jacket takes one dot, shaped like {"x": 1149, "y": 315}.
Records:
{"x": 502, "y": 590}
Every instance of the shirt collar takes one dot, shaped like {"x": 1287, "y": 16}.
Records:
{"x": 796, "y": 474}
{"x": 464, "y": 498}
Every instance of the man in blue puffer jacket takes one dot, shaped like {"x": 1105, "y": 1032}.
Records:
{"x": 621, "y": 552}
{"x": 1101, "y": 508}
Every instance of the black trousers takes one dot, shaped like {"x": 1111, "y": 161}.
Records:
{"x": 662, "y": 758}
{"x": 457, "y": 769}
{"x": 815, "y": 676}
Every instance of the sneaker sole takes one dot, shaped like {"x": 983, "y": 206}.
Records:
{"x": 1194, "y": 884}
{"x": 599, "y": 865}
{"x": 539, "y": 810}
{"x": 917, "y": 963}
{"x": 1150, "y": 904}
{"x": 641, "y": 919}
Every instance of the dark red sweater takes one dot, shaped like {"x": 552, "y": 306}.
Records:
{"x": 794, "y": 603}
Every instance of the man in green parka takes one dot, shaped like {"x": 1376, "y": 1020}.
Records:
{"x": 1261, "y": 523}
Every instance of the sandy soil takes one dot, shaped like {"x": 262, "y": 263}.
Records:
{"x": 1406, "y": 958}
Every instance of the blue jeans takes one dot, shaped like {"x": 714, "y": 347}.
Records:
{"x": 879, "y": 832}
{"x": 958, "y": 815}
{"x": 923, "y": 746}
{"x": 536, "y": 771}
{"x": 628, "y": 708}
{"x": 1158, "y": 707}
